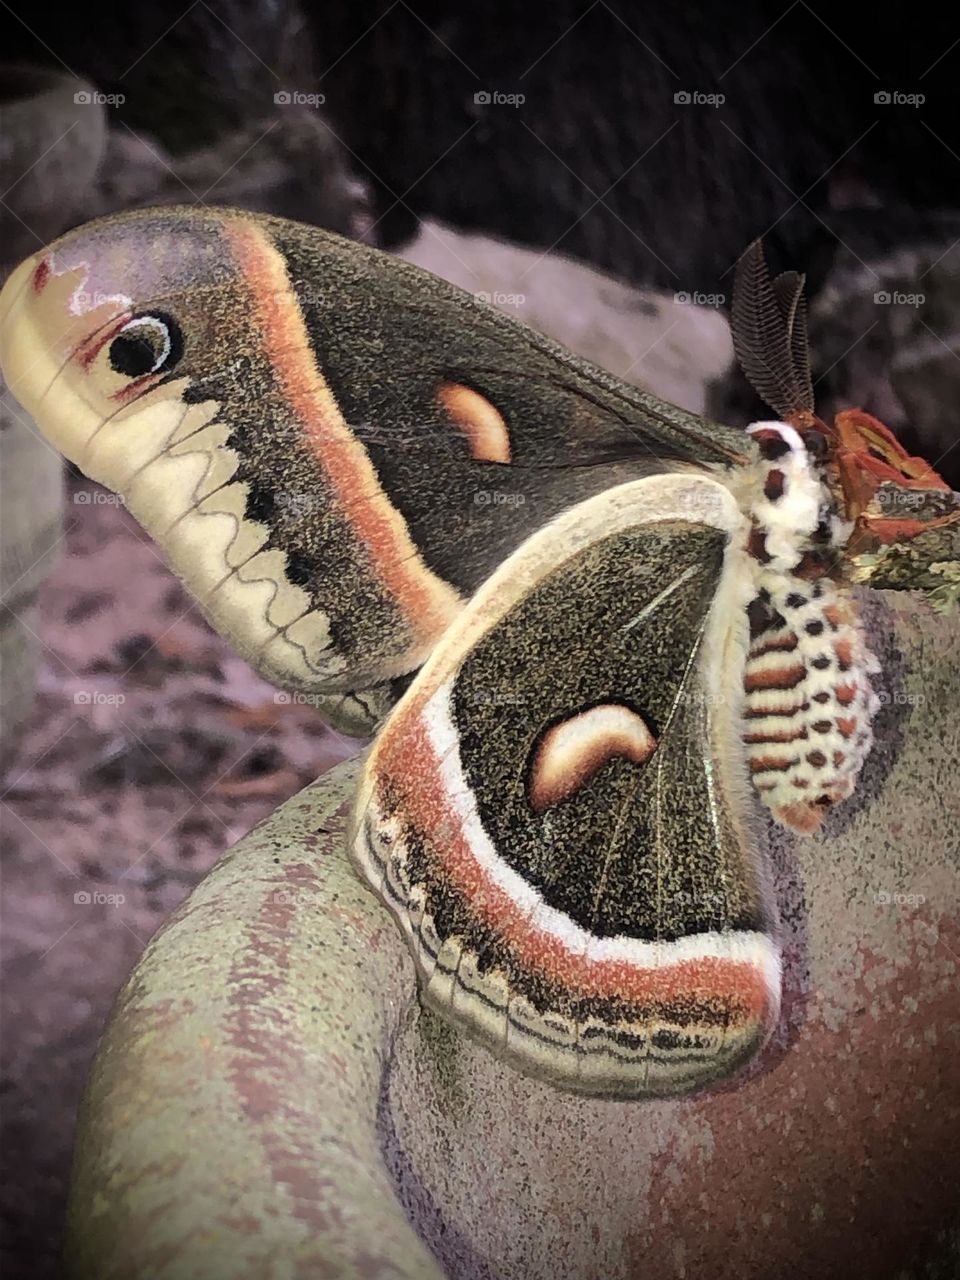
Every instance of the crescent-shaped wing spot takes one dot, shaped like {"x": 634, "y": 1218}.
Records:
{"x": 570, "y": 753}
{"x": 480, "y": 422}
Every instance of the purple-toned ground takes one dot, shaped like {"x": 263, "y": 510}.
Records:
{"x": 152, "y": 749}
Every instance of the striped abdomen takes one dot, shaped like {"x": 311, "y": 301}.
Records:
{"x": 809, "y": 702}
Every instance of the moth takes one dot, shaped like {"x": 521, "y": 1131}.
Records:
{"x": 595, "y": 627}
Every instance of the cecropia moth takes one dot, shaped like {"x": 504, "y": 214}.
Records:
{"x": 594, "y": 623}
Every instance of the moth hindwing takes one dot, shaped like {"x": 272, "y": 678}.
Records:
{"x": 556, "y": 813}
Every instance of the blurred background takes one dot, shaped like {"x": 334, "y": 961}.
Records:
{"x": 595, "y": 168}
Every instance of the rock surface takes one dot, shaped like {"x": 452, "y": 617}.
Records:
{"x": 269, "y": 1100}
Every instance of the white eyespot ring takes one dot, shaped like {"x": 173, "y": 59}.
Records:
{"x": 145, "y": 344}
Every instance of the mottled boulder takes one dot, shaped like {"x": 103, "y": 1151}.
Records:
{"x": 269, "y": 1099}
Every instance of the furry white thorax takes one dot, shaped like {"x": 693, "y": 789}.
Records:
{"x": 790, "y": 520}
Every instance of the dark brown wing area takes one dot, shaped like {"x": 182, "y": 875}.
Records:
{"x": 401, "y": 350}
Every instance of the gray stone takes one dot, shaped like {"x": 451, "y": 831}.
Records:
{"x": 269, "y": 1099}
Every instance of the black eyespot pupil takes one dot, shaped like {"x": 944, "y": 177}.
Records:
{"x": 148, "y": 344}
{"x": 131, "y": 356}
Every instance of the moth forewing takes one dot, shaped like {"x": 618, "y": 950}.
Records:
{"x": 332, "y": 447}
{"x": 557, "y": 812}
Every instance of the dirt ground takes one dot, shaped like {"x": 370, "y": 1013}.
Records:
{"x": 152, "y": 749}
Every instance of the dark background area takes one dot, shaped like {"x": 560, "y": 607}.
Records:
{"x": 597, "y": 162}
{"x": 836, "y": 139}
